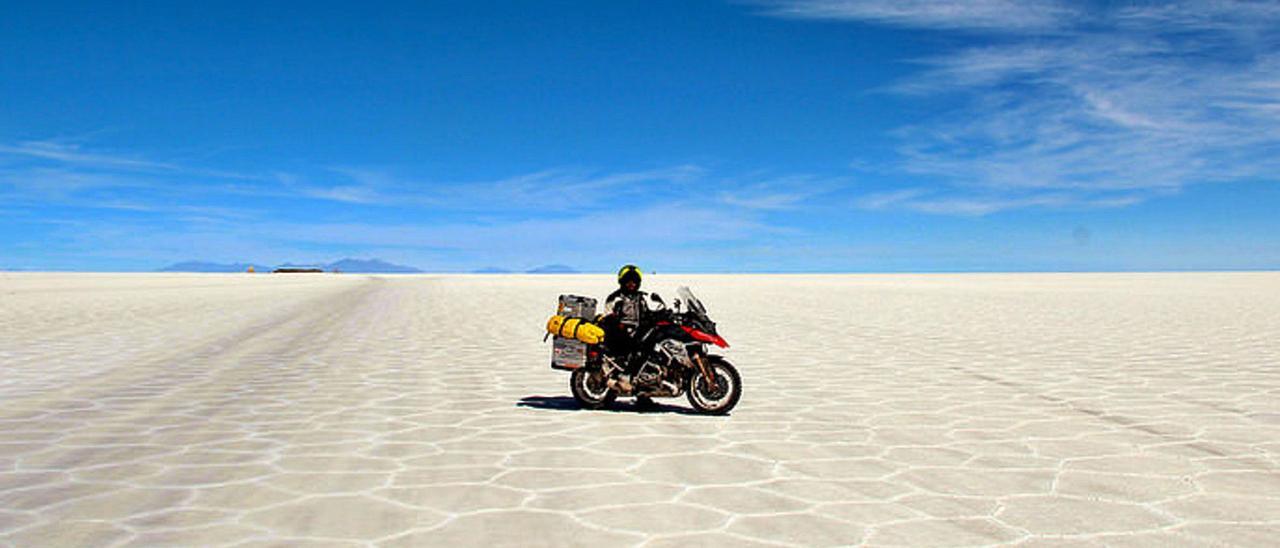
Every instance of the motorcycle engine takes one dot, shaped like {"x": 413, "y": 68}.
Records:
{"x": 675, "y": 351}
{"x": 650, "y": 373}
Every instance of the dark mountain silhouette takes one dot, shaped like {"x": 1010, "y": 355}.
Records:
{"x": 370, "y": 266}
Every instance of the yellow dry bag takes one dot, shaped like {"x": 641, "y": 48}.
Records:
{"x": 575, "y": 328}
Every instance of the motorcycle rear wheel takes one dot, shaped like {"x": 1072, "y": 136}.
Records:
{"x": 720, "y": 399}
{"x": 590, "y": 388}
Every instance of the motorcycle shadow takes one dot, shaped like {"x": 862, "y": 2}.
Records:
{"x": 567, "y": 403}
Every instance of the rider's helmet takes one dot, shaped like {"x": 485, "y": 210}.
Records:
{"x": 629, "y": 273}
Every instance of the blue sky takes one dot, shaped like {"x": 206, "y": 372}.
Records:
{"x": 790, "y": 135}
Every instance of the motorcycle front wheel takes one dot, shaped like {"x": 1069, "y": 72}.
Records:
{"x": 718, "y": 399}
{"x": 590, "y": 388}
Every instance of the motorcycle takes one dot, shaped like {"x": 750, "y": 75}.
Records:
{"x": 674, "y": 346}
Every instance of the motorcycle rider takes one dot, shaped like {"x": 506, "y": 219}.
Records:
{"x": 624, "y": 310}
{"x": 627, "y": 304}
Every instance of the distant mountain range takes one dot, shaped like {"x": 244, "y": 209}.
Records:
{"x": 552, "y": 269}
{"x": 544, "y": 269}
{"x": 201, "y": 266}
{"x": 355, "y": 266}
{"x": 370, "y": 266}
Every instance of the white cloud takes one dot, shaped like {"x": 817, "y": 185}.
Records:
{"x": 970, "y": 204}
{"x": 667, "y": 233}
{"x": 73, "y": 154}
{"x": 550, "y": 189}
{"x": 46, "y": 172}
{"x": 777, "y": 193}
{"x": 48, "y": 182}
{"x": 576, "y": 216}
{"x": 1003, "y": 15}
{"x": 883, "y": 200}
{"x": 654, "y": 225}
{"x": 1141, "y": 99}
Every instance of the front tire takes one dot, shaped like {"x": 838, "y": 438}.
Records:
{"x": 720, "y": 399}
{"x": 590, "y": 388}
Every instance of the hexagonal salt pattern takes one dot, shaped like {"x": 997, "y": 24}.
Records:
{"x": 260, "y": 410}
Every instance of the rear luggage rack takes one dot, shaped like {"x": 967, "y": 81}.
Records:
{"x": 569, "y": 354}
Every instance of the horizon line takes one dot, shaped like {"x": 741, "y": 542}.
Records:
{"x": 694, "y": 273}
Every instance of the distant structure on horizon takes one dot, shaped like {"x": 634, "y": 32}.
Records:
{"x": 298, "y": 269}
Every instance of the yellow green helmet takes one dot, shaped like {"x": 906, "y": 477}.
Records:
{"x": 630, "y": 272}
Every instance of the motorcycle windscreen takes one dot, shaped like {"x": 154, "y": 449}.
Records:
{"x": 694, "y": 305}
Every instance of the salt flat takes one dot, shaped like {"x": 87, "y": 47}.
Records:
{"x": 1076, "y": 409}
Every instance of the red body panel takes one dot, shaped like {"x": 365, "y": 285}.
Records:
{"x": 705, "y": 337}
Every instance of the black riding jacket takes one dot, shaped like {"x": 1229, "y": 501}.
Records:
{"x": 627, "y": 307}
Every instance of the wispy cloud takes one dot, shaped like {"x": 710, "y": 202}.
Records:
{"x": 46, "y": 182}
{"x": 652, "y": 233}
{"x": 49, "y": 172}
{"x": 68, "y": 173}
{"x": 651, "y": 226}
{"x": 578, "y": 216}
{"x": 778, "y": 193}
{"x": 997, "y": 15}
{"x": 559, "y": 188}
{"x": 73, "y": 154}
{"x": 1141, "y": 99}
{"x": 55, "y": 172}
{"x": 971, "y": 204}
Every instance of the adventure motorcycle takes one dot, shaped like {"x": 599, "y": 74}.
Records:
{"x": 673, "y": 345}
